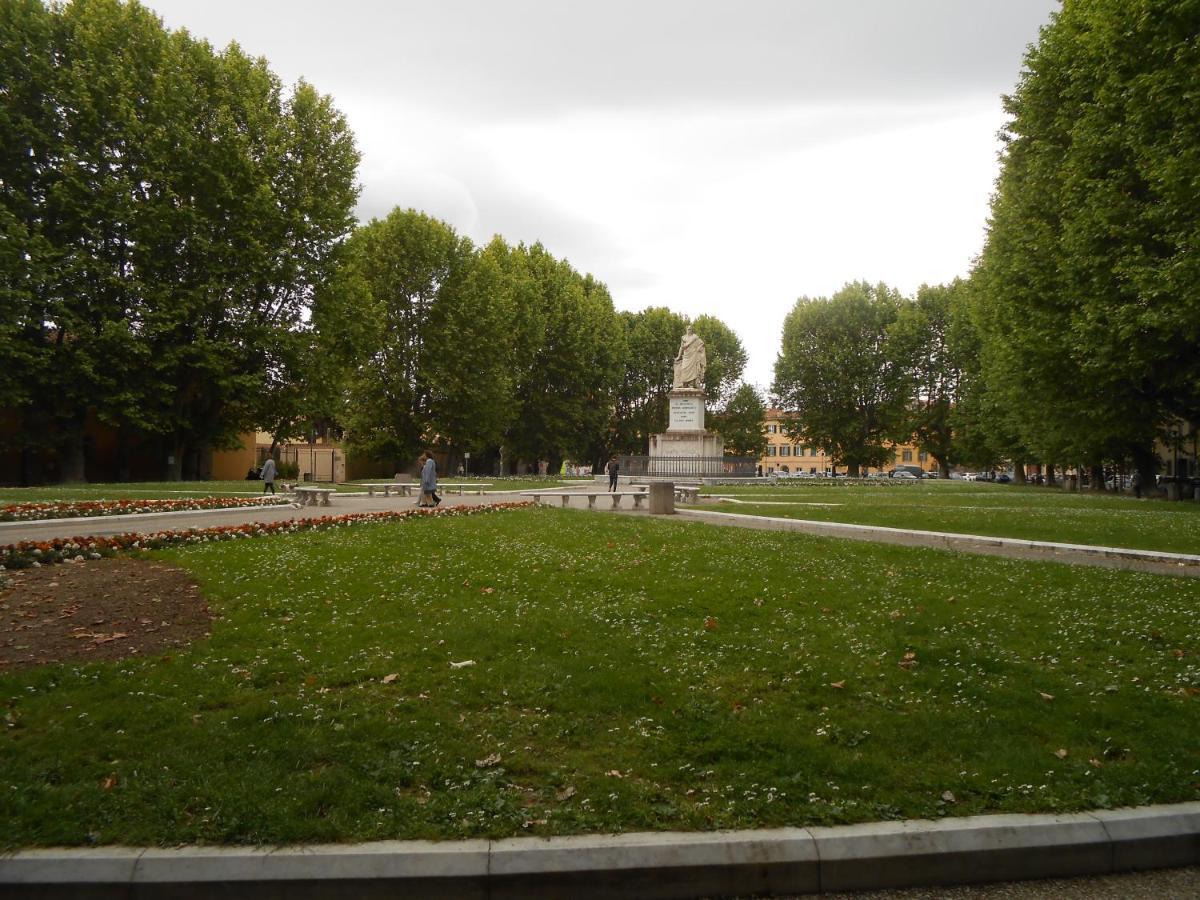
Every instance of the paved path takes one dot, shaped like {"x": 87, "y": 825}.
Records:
{"x": 341, "y": 504}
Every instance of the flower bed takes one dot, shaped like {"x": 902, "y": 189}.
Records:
{"x": 76, "y": 549}
{"x": 76, "y": 509}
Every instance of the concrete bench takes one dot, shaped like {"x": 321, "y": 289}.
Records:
{"x": 313, "y": 496}
{"x": 402, "y": 488}
{"x": 639, "y": 497}
{"x": 463, "y": 488}
{"x": 684, "y": 493}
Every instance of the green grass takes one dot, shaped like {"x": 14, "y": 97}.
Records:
{"x": 1043, "y": 514}
{"x": 629, "y": 674}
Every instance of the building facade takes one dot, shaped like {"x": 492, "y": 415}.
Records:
{"x": 786, "y": 455}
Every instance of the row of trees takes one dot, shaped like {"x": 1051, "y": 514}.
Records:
{"x": 1076, "y": 340}
{"x": 496, "y": 349}
{"x": 179, "y": 260}
{"x": 169, "y": 215}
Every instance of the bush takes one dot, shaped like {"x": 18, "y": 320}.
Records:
{"x": 288, "y": 471}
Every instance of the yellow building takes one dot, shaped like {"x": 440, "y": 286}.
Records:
{"x": 787, "y": 455}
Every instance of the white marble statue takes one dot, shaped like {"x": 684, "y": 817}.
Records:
{"x": 690, "y": 362}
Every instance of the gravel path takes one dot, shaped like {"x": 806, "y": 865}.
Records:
{"x": 1160, "y": 884}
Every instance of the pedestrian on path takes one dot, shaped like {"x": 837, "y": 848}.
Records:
{"x": 268, "y": 475}
{"x": 429, "y": 481}
{"x": 614, "y": 469}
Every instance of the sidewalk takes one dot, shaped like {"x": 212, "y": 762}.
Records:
{"x": 341, "y": 504}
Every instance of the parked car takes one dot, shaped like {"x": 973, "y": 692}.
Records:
{"x": 903, "y": 474}
{"x": 1003, "y": 479}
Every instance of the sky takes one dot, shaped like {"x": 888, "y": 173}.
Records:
{"x": 720, "y": 158}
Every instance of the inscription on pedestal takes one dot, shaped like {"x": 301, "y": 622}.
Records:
{"x": 687, "y": 414}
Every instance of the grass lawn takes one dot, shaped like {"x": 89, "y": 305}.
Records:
{"x": 1043, "y": 514}
{"x": 558, "y": 671}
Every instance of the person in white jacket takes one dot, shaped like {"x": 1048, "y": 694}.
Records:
{"x": 268, "y": 475}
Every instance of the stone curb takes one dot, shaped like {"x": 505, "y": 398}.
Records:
{"x": 873, "y": 856}
{"x": 942, "y": 539}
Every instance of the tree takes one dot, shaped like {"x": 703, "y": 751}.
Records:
{"x": 651, "y": 341}
{"x": 436, "y": 370}
{"x": 842, "y": 377}
{"x": 1090, "y": 254}
{"x": 742, "y": 423}
{"x": 567, "y": 363}
{"x": 175, "y": 215}
{"x": 933, "y": 328}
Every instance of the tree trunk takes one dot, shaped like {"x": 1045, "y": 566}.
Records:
{"x": 172, "y": 457}
{"x": 1049, "y": 474}
{"x": 1019, "y": 473}
{"x": 1145, "y": 463}
{"x": 1097, "y": 478}
{"x": 123, "y": 469}
{"x": 72, "y": 458}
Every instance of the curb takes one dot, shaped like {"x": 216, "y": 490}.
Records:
{"x": 949, "y": 540}
{"x": 873, "y": 856}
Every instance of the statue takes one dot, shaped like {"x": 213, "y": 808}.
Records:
{"x": 690, "y": 362}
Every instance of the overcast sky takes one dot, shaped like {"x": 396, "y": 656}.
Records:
{"x": 717, "y": 158}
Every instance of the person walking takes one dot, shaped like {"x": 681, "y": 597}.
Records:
{"x": 268, "y": 475}
{"x": 429, "y": 480}
{"x": 1135, "y": 482}
{"x": 614, "y": 469}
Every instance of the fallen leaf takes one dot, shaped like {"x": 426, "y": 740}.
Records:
{"x": 1095, "y": 763}
{"x": 614, "y": 773}
{"x": 710, "y": 623}
{"x": 492, "y": 759}
{"x": 948, "y": 796}
{"x": 1179, "y": 654}
{"x": 838, "y": 684}
{"x": 1061, "y": 752}
{"x": 463, "y": 664}
{"x": 487, "y": 590}
{"x": 1045, "y": 696}
{"x": 109, "y": 783}
{"x": 388, "y": 679}
{"x": 565, "y": 794}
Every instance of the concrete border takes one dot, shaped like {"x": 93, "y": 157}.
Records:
{"x": 1177, "y": 563}
{"x": 872, "y": 856}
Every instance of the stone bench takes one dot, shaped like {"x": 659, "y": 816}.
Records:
{"x": 403, "y": 488}
{"x": 313, "y": 496}
{"x": 461, "y": 489}
{"x": 407, "y": 489}
{"x": 684, "y": 493}
{"x": 639, "y": 497}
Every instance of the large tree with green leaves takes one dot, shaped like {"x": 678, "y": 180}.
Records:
{"x": 843, "y": 375}
{"x": 651, "y": 341}
{"x": 1089, "y": 271}
{"x": 435, "y": 360}
{"x": 179, "y": 215}
{"x": 742, "y": 423}
{"x": 569, "y": 349}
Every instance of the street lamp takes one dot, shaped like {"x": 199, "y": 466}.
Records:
{"x": 1175, "y": 464}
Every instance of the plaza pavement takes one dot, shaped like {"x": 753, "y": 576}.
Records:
{"x": 781, "y": 862}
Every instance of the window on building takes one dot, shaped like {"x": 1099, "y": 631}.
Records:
{"x": 784, "y": 450}
{"x": 907, "y": 456}
{"x": 770, "y": 450}
{"x": 771, "y": 429}
{"x": 922, "y": 456}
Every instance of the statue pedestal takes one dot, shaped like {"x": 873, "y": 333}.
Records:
{"x": 686, "y": 450}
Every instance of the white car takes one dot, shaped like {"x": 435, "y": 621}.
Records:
{"x": 903, "y": 474}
